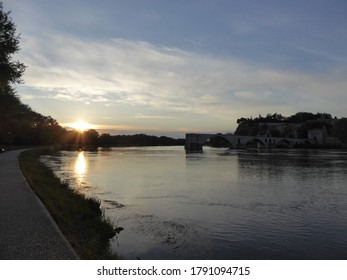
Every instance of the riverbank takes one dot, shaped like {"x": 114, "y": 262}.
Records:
{"x": 28, "y": 231}
{"x": 80, "y": 219}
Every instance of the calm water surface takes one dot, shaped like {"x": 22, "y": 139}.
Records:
{"x": 219, "y": 204}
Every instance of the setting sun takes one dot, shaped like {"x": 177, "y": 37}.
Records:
{"x": 81, "y": 126}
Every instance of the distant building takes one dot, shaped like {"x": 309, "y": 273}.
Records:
{"x": 288, "y": 130}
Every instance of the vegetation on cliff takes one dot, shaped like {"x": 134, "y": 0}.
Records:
{"x": 295, "y": 126}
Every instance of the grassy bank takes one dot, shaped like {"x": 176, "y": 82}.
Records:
{"x": 79, "y": 219}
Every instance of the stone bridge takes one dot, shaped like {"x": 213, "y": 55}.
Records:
{"x": 195, "y": 141}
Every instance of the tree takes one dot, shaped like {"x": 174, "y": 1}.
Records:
{"x": 19, "y": 124}
{"x": 10, "y": 71}
{"x": 90, "y": 137}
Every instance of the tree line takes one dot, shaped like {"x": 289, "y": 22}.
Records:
{"x": 138, "y": 140}
{"x": 299, "y": 117}
{"x": 91, "y": 138}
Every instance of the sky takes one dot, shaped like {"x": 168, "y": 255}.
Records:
{"x": 170, "y": 67}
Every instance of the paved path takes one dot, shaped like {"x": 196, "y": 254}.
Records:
{"x": 27, "y": 231}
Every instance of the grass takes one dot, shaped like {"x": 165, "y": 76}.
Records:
{"x": 79, "y": 218}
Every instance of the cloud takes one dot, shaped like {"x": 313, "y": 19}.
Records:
{"x": 170, "y": 81}
{"x": 141, "y": 116}
{"x": 252, "y": 96}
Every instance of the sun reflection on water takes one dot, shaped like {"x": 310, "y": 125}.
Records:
{"x": 81, "y": 166}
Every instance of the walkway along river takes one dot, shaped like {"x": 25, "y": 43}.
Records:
{"x": 27, "y": 231}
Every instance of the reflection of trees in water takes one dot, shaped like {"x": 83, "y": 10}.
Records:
{"x": 300, "y": 164}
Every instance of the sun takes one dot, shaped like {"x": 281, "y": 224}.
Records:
{"x": 81, "y": 125}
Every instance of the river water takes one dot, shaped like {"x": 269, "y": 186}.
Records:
{"x": 219, "y": 204}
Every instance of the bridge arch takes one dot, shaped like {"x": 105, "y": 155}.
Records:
{"x": 255, "y": 143}
{"x": 303, "y": 143}
{"x": 227, "y": 141}
{"x": 284, "y": 143}
{"x": 195, "y": 141}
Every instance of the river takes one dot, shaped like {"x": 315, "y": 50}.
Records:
{"x": 218, "y": 204}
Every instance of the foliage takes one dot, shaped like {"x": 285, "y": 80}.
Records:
{"x": 10, "y": 71}
{"x": 299, "y": 117}
{"x": 302, "y": 121}
{"x": 19, "y": 124}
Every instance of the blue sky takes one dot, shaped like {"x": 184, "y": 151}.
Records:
{"x": 171, "y": 67}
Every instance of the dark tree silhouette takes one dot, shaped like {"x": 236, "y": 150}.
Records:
{"x": 10, "y": 71}
{"x": 19, "y": 124}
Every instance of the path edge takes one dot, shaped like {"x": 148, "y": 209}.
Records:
{"x": 46, "y": 212}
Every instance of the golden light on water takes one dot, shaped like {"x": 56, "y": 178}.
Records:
{"x": 81, "y": 165}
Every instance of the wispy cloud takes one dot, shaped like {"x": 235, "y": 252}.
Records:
{"x": 170, "y": 81}
{"x": 141, "y": 116}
